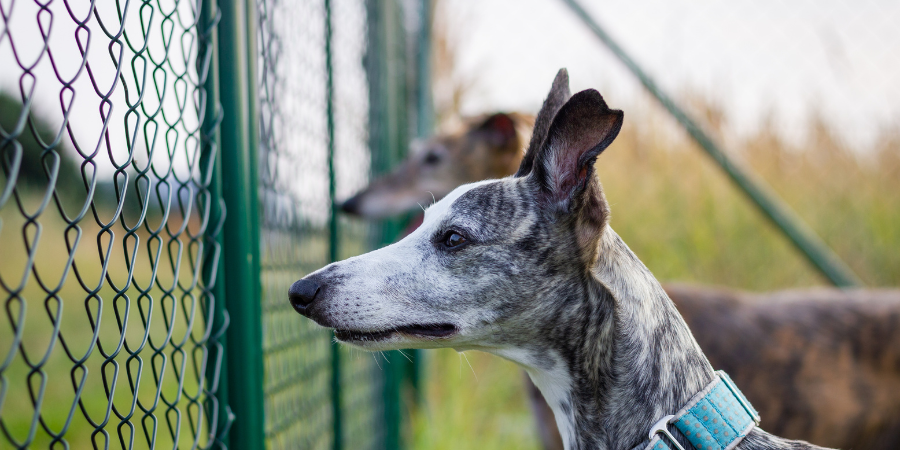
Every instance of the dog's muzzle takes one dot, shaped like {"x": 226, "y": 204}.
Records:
{"x": 302, "y": 293}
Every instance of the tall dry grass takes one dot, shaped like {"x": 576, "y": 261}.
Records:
{"x": 686, "y": 221}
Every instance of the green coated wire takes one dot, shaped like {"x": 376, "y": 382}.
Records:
{"x": 804, "y": 238}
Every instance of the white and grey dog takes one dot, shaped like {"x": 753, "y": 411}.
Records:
{"x": 528, "y": 268}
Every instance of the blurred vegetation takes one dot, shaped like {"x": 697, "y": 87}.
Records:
{"x": 36, "y": 163}
{"x": 686, "y": 221}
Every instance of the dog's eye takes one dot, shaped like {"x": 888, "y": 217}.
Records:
{"x": 454, "y": 239}
{"x": 432, "y": 158}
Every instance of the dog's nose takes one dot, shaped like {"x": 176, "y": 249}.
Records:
{"x": 302, "y": 293}
{"x": 351, "y": 205}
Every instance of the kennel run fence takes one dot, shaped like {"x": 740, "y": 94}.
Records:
{"x": 169, "y": 168}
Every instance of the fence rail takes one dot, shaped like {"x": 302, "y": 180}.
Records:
{"x": 169, "y": 167}
{"x": 791, "y": 225}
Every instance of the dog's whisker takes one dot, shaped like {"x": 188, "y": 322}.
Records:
{"x": 470, "y": 365}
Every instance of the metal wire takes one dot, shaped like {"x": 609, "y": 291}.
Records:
{"x": 296, "y": 352}
{"x": 791, "y": 225}
{"x": 297, "y": 203}
{"x": 106, "y": 340}
{"x": 109, "y": 132}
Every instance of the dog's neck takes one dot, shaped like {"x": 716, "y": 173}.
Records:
{"x": 630, "y": 358}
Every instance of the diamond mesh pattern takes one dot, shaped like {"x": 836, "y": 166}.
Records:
{"x": 109, "y": 228}
{"x": 106, "y": 235}
{"x": 297, "y": 208}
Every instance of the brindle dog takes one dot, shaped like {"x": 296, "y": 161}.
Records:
{"x": 528, "y": 268}
{"x": 831, "y": 357}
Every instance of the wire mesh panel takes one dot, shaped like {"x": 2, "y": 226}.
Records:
{"x": 308, "y": 158}
{"x": 362, "y": 376}
{"x": 296, "y": 209}
{"x": 106, "y": 237}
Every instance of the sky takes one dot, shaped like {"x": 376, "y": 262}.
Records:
{"x": 48, "y": 74}
{"x": 758, "y": 59}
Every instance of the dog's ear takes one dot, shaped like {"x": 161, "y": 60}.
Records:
{"x": 564, "y": 166}
{"x": 499, "y": 130}
{"x": 582, "y": 128}
{"x": 558, "y": 96}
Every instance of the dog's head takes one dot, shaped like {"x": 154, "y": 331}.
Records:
{"x": 494, "y": 261}
{"x": 489, "y": 147}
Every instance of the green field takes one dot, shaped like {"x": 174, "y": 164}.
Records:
{"x": 686, "y": 222}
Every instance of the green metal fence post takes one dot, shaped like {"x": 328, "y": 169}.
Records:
{"x": 333, "y": 236}
{"x": 241, "y": 238}
{"x": 803, "y": 237}
{"x": 253, "y": 131}
{"x": 424, "y": 102}
{"x": 424, "y": 129}
{"x": 213, "y": 264}
{"x": 388, "y": 137}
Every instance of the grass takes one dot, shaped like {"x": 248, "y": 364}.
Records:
{"x": 686, "y": 221}
{"x": 472, "y": 400}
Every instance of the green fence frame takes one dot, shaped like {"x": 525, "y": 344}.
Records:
{"x": 390, "y": 103}
{"x": 233, "y": 371}
{"x": 220, "y": 413}
{"x": 390, "y": 98}
{"x": 241, "y": 233}
{"x": 785, "y": 219}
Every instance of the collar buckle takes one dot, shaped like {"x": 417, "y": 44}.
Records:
{"x": 662, "y": 427}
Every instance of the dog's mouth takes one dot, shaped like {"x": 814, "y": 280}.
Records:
{"x": 437, "y": 330}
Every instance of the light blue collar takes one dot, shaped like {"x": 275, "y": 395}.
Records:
{"x": 716, "y": 418}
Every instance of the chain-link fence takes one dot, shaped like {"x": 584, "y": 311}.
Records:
{"x": 138, "y": 313}
{"x": 106, "y": 231}
{"x": 334, "y": 102}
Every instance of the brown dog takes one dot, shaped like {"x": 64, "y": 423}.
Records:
{"x": 821, "y": 365}
{"x": 487, "y": 147}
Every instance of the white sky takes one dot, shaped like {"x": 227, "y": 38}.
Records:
{"x": 754, "y": 57}
{"x": 85, "y": 105}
